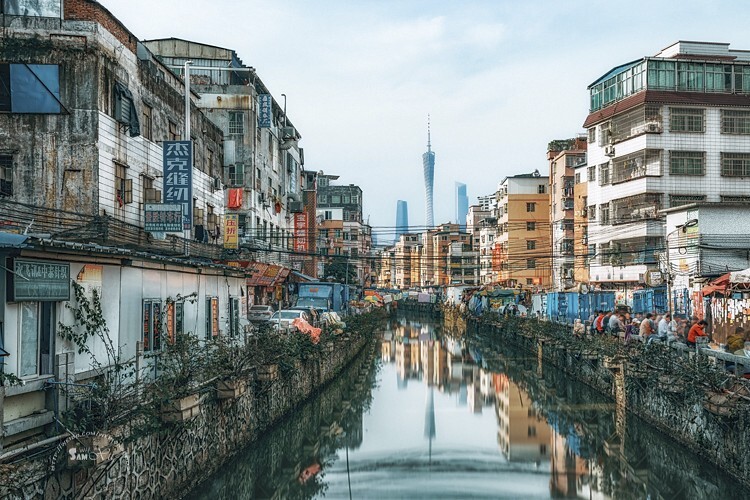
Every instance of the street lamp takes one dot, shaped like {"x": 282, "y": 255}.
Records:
{"x": 683, "y": 228}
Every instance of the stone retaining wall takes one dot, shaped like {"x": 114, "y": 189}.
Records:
{"x": 170, "y": 463}
{"x": 681, "y": 414}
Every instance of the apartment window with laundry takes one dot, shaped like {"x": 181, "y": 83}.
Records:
{"x": 123, "y": 185}
{"x": 30, "y": 88}
{"x": 147, "y": 125}
{"x": 6, "y": 175}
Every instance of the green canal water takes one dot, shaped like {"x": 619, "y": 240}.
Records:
{"x": 425, "y": 414}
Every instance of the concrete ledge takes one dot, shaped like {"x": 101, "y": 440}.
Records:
{"x": 28, "y": 386}
{"x": 23, "y": 424}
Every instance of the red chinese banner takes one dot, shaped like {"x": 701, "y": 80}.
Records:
{"x": 300, "y": 232}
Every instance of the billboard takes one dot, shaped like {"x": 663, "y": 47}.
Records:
{"x": 300, "y": 232}
{"x": 178, "y": 177}
{"x": 265, "y": 111}
{"x": 161, "y": 217}
{"x": 231, "y": 225}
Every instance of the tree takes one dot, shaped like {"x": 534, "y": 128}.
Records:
{"x": 338, "y": 268}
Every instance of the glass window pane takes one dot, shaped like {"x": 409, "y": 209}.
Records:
{"x": 35, "y": 88}
{"x": 29, "y": 338}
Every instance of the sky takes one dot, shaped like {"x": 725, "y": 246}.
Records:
{"x": 499, "y": 79}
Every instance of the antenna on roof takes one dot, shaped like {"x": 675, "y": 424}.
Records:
{"x": 429, "y": 148}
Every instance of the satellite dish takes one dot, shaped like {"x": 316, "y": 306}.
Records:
{"x": 583, "y": 289}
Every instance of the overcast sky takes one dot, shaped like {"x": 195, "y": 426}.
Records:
{"x": 499, "y": 78}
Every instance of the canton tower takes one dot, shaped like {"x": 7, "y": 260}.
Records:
{"x": 428, "y": 163}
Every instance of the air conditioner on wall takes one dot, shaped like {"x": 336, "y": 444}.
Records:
{"x": 609, "y": 150}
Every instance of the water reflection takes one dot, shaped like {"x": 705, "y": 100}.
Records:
{"x": 455, "y": 416}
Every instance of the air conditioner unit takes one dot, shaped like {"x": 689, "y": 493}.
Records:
{"x": 288, "y": 133}
{"x": 609, "y": 150}
{"x": 653, "y": 127}
{"x": 215, "y": 183}
{"x": 296, "y": 207}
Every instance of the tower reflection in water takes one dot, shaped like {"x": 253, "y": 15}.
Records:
{"x": 463, "y": 413}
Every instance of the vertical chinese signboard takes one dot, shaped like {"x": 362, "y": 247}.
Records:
{"x": 300, "y": 232}
{"x": 178, "y": 178}
{"x": 265, "y": 111}
{"x": 231, "y": 238}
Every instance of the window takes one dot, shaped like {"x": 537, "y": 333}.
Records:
{"x": 147, "y": 125}
{"x": 690, "y": 76}
{"x": 530, "y": 244}
{"x": 345, "y": 199}
{"x": 661, "y": 74}
{"x": 30, "y": 88}
{"x": 175, "y": 320}
{"x": 123, "y": 185}
{"x": 592, "y": 134}
{"x": 591, "y": 212}
{"x": 337, "y": 251}
{"x": 237, "y": 174}
{"x": 531, "y": 226}
{"x": 335, "y": 199}
{"x": 531, "y": 207}
{"x": 604, "y": 213}
{"x": 346, "y": 236}
{"x": 337, "y": 233}
{"x": 677, "y": 200}
{"x": 591, "y": 174}
{"x": 687, "y": 163}
{"x": 236, "y": 122}
{"x": 174, "y": 135}
{"x": 37, "y": 334}
{"x": 212, "y": 317}
{"x": 578, "y": 178}
{"x": 150, "y": 195}
{"x": 718, "y": 78}
{"x": 735, "y": 164}
{"x": 735, "y": 122}
{"x": 604, "y": 174}
{"x": 530, "y": 263}
{"x": 6, "y": 175}
{"x": 124, "y": 109}
{"x": 642, "y": 163}
{"x": 328, "y": 214}
{"x": 541, "y": 189}
{"x": 529, "y": 281}
{"x": 234, "y": 316}
{"x": 152, "y": 327}
{"x": 686, "y": 120}
{"x": 209, "y": 160}
{"x": 735, "y": 198}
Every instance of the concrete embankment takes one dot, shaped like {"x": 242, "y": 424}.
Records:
{"x": 174, "y": 458}
{"x": 687, "y": 396}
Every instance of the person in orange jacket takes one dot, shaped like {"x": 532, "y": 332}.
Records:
{"x": 696, "y": 331}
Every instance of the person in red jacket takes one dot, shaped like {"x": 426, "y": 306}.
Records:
{"x": 599, "y": 323}
{"x": 696, "y": 331}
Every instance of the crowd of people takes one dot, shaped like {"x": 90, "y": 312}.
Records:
{"x": 650, "y": 328}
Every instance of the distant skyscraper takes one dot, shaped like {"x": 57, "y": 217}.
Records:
{"x": 402, "y": 218}
{"x": 428, "y": 163}
{"x": 462, "y": 205}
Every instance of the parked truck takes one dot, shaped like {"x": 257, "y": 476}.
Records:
{"x": 323, "y": 296}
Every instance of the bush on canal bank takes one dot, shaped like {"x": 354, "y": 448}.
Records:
{"x": 686, "y": 395}
{"x": 213, "y": 399}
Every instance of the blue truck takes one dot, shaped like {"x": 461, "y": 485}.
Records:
{"x": 323, "y": 296}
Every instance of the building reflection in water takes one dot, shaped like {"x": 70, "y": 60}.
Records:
{"x": 545, "y": 424}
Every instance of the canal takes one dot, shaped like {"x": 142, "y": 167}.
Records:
{"x": 427, "y": 414}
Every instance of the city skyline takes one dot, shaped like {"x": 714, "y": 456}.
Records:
{"x": 472, "y": 65}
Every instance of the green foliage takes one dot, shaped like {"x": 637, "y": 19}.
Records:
{"x": 339, "y": 268}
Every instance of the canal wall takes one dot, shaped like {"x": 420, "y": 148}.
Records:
{"x": 688, "y": 398}
{"x": 172, "y": 460}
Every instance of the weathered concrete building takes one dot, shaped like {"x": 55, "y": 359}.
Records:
{"x": 87, "y": 109}
{"x": 83, "y": 111}
{"x": 262, "y": 164}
